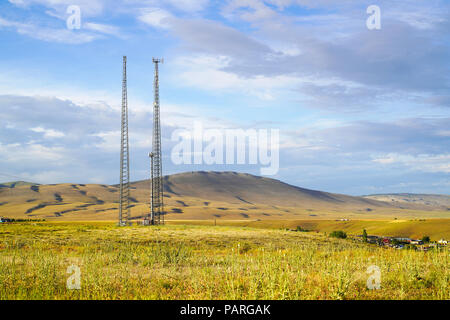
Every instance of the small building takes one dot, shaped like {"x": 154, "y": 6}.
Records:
{"x": 402, "y": 240}
{"x": 144, "y": 222}
{"x": 420, "y": 242}
{"x": 373, "y": 239}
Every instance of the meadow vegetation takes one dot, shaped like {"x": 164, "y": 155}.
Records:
{"x": 411, "y": 228}
{"x": 207, "y": 262}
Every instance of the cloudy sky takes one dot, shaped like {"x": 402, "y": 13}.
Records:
{"x": 359, "y": 111}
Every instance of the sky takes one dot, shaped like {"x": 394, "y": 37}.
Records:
{"x": 358, "y": 111}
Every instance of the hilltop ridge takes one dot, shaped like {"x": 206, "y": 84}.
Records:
{"x": 13, "y": 184}
{"x": 204, "y": 195}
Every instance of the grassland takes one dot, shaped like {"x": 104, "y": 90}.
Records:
{"x": 207, "y": 262}
{"x": 411, "y": 228}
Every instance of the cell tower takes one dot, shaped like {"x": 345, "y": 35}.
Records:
{"x": 157, "y": 206}
{"x": 152, "y": 211}
{"x": 124, "y": 201}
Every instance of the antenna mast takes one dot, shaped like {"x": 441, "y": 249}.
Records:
{"x": 124, "y": 201}
{"x": 152, "y": 201}
{"x": 157, "y": 205}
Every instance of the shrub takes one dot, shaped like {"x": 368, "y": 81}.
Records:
{"x": 364, "y": 235}
{"x": 426, "y": 239}
{"x": 338, "y": 234}
{"x": 300, "y": 229}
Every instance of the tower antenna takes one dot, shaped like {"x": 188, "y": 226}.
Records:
{"x": 124, "y": 200}
{"x": 152, "y": 201}
{"x": 157, "y": 205}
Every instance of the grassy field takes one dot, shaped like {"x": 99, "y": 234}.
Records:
{"x": 410, "y": 228}
{"x": 207, "y": 262}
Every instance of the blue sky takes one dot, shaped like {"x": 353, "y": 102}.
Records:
{"x": 359, "y": 111}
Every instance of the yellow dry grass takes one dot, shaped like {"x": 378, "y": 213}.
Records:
{"x": 206, "y": 262}
{"x": 436, "y": 229}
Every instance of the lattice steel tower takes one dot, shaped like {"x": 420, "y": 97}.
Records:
{"x": 157, "y": 205}
{"x": 124, "y": 201}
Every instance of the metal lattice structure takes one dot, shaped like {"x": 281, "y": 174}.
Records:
{"x": 124, "y": 200}
{"x": 151, "y": 216}
{"x": 157, "y": 205}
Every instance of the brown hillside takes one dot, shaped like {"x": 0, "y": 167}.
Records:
{"x": 202, "y": 195}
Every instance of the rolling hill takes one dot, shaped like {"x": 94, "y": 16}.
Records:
{"x": 14, "y": 184}
{"x": 430, "y": 200}
{"x": 204, "y": 195}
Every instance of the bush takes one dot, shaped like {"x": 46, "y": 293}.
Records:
{"x": 426, "y": 239}
{"x": 338, "y": 234}
{"x": 300, "y": 229}
{"x": 364, "y": 235}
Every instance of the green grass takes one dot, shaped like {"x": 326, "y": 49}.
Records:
{"x": 206, "y": 262}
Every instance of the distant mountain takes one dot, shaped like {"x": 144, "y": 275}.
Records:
{"x": 429, "y": 200}
{"x": 243, "y": 188}
{"x": 205, "y": 195}
{"x": 238, "y": 188}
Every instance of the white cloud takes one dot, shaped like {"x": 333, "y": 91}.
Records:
{"x": 422, "y": 15}
{"x": 89, "y": 31}
{"x": 207, "y": 73}
{"x": 24, "y": 84}
{"x": 156, "y": 17}
{"x": 249, "y": 10}
{"x": 110, "y": 140}
{"x": 385, "y": 160}
{"x": 22, "y": 153}
{"x": 48, "y": 133}
{"x": 103, "y": 28}
{"x": 49, "y": 34}
{"x": 88, "y": 8}
{"x": 421, "y": 162}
